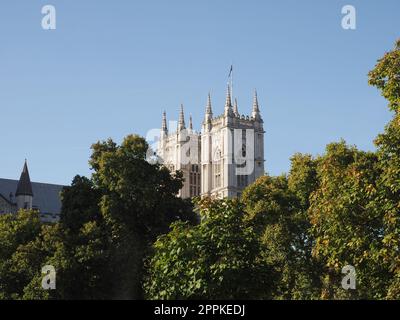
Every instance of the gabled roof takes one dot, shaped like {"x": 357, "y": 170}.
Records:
{"x": 46, "y": 196}
{"x": 24, "y": 187}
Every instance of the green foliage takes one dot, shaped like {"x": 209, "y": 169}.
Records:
{"x": 386, "y": 77}
{"x": 341, "y": 208}
{"x": 347, "y": 221}
{"x": 16, "y": 231}
{"x": 138, "y": 203}
{"x": 287, "y": 237}
{"x": 80, "y": 204}
{"x": 218, "y": 259}
{"x": 273, "y": 207}
{"x": 389, "y": 200}
{"x": 107, "y": 225}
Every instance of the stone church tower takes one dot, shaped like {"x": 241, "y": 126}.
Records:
{"x": 223, "y": 159}
{"x": 232, "y": 150}
{"x": 180, "y": 150}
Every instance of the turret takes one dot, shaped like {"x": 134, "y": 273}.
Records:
{"x": 209, "y": 114}
{"x": 256, "y": 110}
{"x": 235, "y": 109}
{"x": 163, "y": 135}
{"x": 181, "y": 122}
{"x": 24, "y": 194}
{"x": 181, "y": 129}
{"x": 228, "y": 112}
{"x": 164, "y": 128}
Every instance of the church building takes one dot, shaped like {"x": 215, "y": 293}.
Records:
{"x": 218, "y": 162}
{"x": 221, "y": 160}
{"x": 24, "y": 194}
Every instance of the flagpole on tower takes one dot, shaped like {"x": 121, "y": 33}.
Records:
{"x": 232, "y": 81}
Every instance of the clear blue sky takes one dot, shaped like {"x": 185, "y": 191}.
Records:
{"x": 112, "y": 67}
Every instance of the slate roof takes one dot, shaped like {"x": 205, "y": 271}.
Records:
{"x": 6, "y": 199}
{"x": 46, "y": 196}
{"x": 24, "y": 185}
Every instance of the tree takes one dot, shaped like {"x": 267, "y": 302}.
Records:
{"x": 386, "y": 77}
{"x": 106, "y": 227}
{"x": 85, "y": 243}
{"x": 287, "y": 237}
{"x": 16, "y": 230}
{"x": 347, "y": 222}
{"x": 138, "y": 203}
{"x": 277, "y": 208}
{"x": 28, "y": 245}
{"x": 80, "y": 204}
{"x": 218, "y": 259}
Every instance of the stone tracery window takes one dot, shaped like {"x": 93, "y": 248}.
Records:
{"x": 217, "y": 163}
{"x": 194, "y": 180}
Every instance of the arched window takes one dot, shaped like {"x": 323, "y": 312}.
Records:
{"x": 194, "y": 180}
{"x": 217, "y": 163}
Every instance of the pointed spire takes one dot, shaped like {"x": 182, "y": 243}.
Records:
{"x": 255, "y": 102}
{"x": 235, "y": 108}
{"x": 164, "y": 123}
{"x": 209, "y": 113}
{"x": 181, "y": 123}
{"x": 228, "y": 102}
{"x": 256, "y": 110}
{"x": 208, "y": 108}
{"x": 24, "y": 184}
{"x": 190, "y": 123}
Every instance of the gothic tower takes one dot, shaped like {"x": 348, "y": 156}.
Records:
{"x": 224, "y": 158}
{"x": 232, "y": 150}
{"x": 180, "y": 150}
